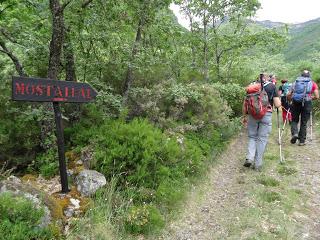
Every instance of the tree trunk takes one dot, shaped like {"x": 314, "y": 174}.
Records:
{"x": 129, "y": 75}
{"x": 69, "y": 58}
{"x": 205, "y": 48}
{"x": 56, "y": 39}
{"x": 14, "y": 59}
{"x": 47, "y": 125}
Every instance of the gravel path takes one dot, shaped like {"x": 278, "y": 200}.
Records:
{"x": 215, "y": 206}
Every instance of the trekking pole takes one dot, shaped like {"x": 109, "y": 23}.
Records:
{"x": 279, "y": 135}
{"x": 311, "y": 127}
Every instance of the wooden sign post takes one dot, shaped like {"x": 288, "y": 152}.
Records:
{"x": 47, "y": 90}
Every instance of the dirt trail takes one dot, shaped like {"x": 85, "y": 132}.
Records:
{"x": 281, "y": 202}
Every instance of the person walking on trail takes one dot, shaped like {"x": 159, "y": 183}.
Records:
{"x": 273, "y": 79}
{"x": 257, "y": 110}
{"x": 302, "y": 92}
{"x": 283, "y": 92}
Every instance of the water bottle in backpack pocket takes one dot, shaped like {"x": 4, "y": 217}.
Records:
{"x": 302, "y": 89}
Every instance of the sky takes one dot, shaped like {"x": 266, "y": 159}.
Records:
{"x": 286, "y": 11}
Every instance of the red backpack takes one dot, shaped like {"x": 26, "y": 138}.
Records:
{"x": 257, "y": 101}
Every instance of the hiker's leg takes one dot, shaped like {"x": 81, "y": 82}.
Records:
{"x": 305, "y": 116}
{"x": 284, "y": 115}
{"x": 264, "y": 130}
{"x": 295, "y": 112}
{"x": 252, "y": 134}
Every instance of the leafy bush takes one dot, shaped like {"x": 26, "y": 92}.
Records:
{"x": 142, "y": 155}
{"x": 170, "y": 105}
{"x": 143, "y": 219}
{"x": 47, "y": 163}
{"x": 233, "y": 94}
{"x": 19, "y": 135}
{"x": 20, "y": 220}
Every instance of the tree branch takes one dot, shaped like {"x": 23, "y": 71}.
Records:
{"x": 7, "y": 36}
{"x": 86, "y": 3}
{"x": 13, "y": 58}
{"x": 9, "y": 6}
{"x": 65, "y": 5}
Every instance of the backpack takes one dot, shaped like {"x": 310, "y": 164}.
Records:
{"x": 302, "y": 87}
{"x": 285, "y": 89}
{"x": 257, "y": 101}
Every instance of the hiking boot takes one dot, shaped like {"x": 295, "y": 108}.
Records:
{"x": 294, "y": 139}
{"x": 247, "y": 163}
{"x": 302, "y": 143}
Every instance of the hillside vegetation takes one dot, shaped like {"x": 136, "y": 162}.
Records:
{"x": 169, "y": 100}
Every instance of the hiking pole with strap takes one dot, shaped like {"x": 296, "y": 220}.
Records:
{"x": 279, "y": 136}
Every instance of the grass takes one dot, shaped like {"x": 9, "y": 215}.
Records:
{"x": 286, "y": 170}
{"x": 268, "y": 181}
{"x": 273, "y": 197}
{"x": 100, "y": 221}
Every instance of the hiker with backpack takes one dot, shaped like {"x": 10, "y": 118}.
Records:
{"x": 257, "y": 110}
{"x": 283, "y": 92}
{"x": 302, "y": 92}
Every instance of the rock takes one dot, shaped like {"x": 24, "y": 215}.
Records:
{"x": 14, "y": 186}
{"x": 89, "y": 181}
{"x": 69, "y": 212}
{"x": 86, "y": 157}
{"x": 14, "y": 179}
{"x": 75, "y": 203}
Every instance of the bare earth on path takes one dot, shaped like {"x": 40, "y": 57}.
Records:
{"x": 281, "y": 202}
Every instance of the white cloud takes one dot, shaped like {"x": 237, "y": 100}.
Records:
{"x": 287, "y": 11}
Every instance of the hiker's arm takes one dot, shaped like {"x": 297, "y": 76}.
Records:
{"x": 244, "y": 113}
{"x": 316, "y": 94}
{"x": 277, "y": 102}
{"x": 289, "y": 96}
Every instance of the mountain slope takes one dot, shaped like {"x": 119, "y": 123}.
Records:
{"x": 304, "y": 38}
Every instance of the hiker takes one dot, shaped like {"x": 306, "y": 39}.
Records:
{"x": 283, "y": 92}
{"x": 259, "y": 120}
{"x": 302, "y": 92}
{"x": 272, "y": 79}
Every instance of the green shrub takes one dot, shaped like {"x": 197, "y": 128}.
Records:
{"x": 19, "y": 219}
{"x": 141, "y": 155}
{"x": 47, "y": 163}
{"x": 143, "y": 219}
{"x": 171, "y": 104}
{"x": 233, "y": 94}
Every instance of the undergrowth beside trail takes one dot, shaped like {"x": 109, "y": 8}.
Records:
{"x": 149, "y": 171}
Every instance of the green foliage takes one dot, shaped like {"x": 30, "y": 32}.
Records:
{"x": 143, "y": 219}
{"x": 171, "y": 105}
{"x": 19, "y": 132}
{"x": 303, "y": 41}
{"x": 20, "y": 220}
{"x": 138, "y": 153}
{"x": 47, "y": 163}
{"x": 232, "y": 93}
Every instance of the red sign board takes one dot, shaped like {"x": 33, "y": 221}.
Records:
{"x": 47, "y": 90}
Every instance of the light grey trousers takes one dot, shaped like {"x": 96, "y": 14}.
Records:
{"x": 258, "y": 133}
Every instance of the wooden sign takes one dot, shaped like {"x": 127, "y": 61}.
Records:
{"x": 47, "y": 90}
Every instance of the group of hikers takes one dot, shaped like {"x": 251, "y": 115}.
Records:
{"x": 295, "y": 101}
